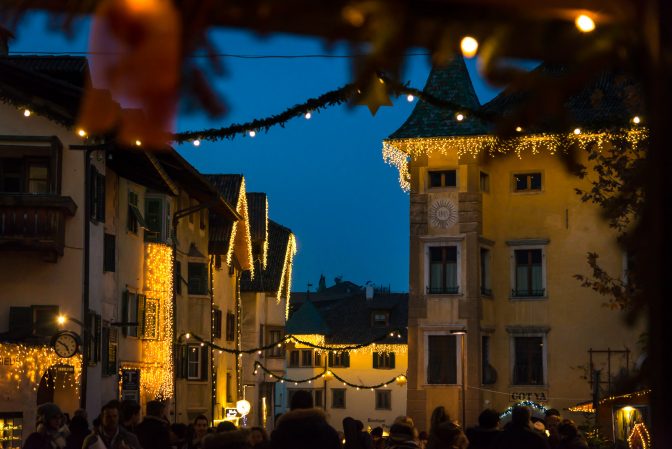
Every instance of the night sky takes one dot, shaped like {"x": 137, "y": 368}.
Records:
{"x": 324, "y": 177}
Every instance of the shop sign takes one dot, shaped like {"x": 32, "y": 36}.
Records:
{"x": 69, "y": 369}
{"x": 7, "y": 361}
{"x": 231, "y": 413}
{"x": 534, "y": 396}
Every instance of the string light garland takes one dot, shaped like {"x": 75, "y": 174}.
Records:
{"x": 241, "y": 208}
{"x": 327, "y": 374}
{"x": 373, "y": 344}
{"x": 588, "y": 406}
{"x": 335, "y": 97}
{"x": 531, "y": 404}
{"x": 639, "y": 434}
{"x": 396, "y": 152}
{"x": 157, "y": 368}
{"x": 286, "y": 275}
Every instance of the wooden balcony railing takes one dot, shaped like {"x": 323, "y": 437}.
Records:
{"x": 34, "y": 222}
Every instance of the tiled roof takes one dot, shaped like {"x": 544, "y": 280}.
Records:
{"x": 256, "y": 208}
{"x": 349, "y": 317}
{"x": 220, "y": 230}
{"x": 71, "y": 69}
{"x": 448, "y": 83}
{"x": 268, "y": 280}
{"x": 227, "y": 185}
{"x": 610, "y": 99}
{"x": 307, "y": 321}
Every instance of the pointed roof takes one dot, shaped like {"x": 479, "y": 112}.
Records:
{"x": 448, "y": 83}
{"x": 307, "y": 321}
{"x": 257, "y": 205}
{"x": 268, "y": 279}
{"x": 227, "y": 185}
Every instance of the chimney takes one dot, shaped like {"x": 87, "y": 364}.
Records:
{"x": 5, "y": 36}
{"x": 369, "y": 292}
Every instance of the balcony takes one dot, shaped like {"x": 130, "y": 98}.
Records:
{"x": 34, "y": 222}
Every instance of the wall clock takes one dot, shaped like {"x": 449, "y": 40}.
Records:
{"x": 65, "y": 343}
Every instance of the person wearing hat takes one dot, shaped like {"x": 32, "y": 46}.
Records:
{"x": 49, "y": 424}
{"x": 402, "y": 436}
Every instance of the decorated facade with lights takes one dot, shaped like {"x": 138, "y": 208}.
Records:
{"x": 497, "y": 233}
{"x": 348, "y": 348}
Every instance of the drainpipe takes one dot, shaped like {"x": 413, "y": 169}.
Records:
{"x": 86, "y": 343}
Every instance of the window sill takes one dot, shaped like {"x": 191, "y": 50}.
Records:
{"x": 539, "y": 386}
{"x": 439, "y": 295}
{"x": 441, "y": 385}
{"x": 197, "y": 381}
{"x": 527, "y": 192}
{"x": 528, "y": 298}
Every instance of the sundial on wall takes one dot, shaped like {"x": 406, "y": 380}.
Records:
{"x": 442, "y": 214}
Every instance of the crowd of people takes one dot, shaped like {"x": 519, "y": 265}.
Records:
{"x": 303, "y": 427}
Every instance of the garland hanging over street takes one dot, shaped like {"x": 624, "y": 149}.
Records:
{"x": 349, "y": 92}
{"x": 327, "y": 374}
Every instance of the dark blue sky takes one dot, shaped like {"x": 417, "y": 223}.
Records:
{"x": 325, "y": 177}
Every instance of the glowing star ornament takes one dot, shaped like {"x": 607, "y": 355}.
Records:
{"x": 469, "y": 46}
{"x": 375, "y": 96}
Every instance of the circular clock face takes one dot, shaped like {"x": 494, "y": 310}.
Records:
{"x": 442, "y": 214}
{"x": 65, "y": 344}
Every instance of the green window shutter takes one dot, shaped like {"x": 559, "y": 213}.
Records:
{"x": 182, "y": 361}
{"x": 124, "y": 313}
{"x": 331, "y": 358}
{"x": 204, "y": 362}
{"x": 346, "y": 359}
{"x": 375, "y": 360}
{"x": 392, "y": 360}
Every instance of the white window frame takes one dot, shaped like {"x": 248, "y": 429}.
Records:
{"x": 528, "y": 332}
{"x": 164, "y": 233}
{"x": 516, "y": 245}
{"x": 457, "y": 243}
{"x": 458, "y": 358}
{"x": 194, "y": 349}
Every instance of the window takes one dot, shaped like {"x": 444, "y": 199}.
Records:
{"x": 44, "y": 319}
{"x": 273, "y": 335}
{"x": 441, "y": 360}
{"x": 317, "y": 395}
{"x": 488, "y": 373}
{"x": 484, "y": 181}
{"x": 135, "y": 219}
{"x": 230, "y": 326}
{"x": 383, "y": 360}
{"x": 216, "y": 323}
{"x": 110, "y": 338}
{"x": 94, "y": 324}
{"x": 198, "y": 278}
{"x": 96, "y": 195}
{"x": 129, "y": 313}
{"x": 307, "y": 357}
{"x": 442, "y": 270}
{"x": 157, "y": 213}
{"x": 338, "y": 398}
{"x": 109, "y": 249}
{"x": 443, "y": 178}
{"x": 24, "y": 175}
{"x": 527, "y": 182}
{"x": 294, "y": 358}
{"x": 528, "y": 361}
{"x": 485, "y": 272}
{"x": 383, "y": 400}
{"x": 194, "y": 362}
{"x": 528, "y": 273}
{"x": 380, "y": 318}
{"x": 318, "y": 398}
{"x": 339, "y": 359}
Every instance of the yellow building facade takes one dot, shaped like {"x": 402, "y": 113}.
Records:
{"x": 497, "y": 234}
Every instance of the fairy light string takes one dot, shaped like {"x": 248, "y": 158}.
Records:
{"x": 373, "y": 344}
{"x": 327, "y": 374}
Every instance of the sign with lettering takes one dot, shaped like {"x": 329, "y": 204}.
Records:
{"x": 130, "y": 384}
{"x": 535, "y": 396}
{"x": 8, "y": 361}
{"x": 231, "y": 413}
{"x": 63, "y": 369}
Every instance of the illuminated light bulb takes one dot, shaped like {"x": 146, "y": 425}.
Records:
{"x": 459, "y": 117}
{"x": 310, "y": 381}
{"x": 469, "y": 46}
{"x": 382, "y": 81}
{"x": 138, "y": 143}
{"x": 296, "y": 383}
{"x": 259, "y": 352}
{"x": 577, "y": 131}
{"x": 279, "y": 345}
{"x": 391, "y": 334}
{"x": 197, "y": 143}
{"x": 61, "y": 319}
{"x": 343, "y": 383}
{"x": 240, "y": 355}
{"x": 271, "y": 376}
{"x": 187, "y": 335}
{"x": 252, "y": 133}
{"x": 410, "y": 98}
{"x": 282, "y": 381}
{"x": 308, "y": 115}
{"x": 636, "y": 120}
{"x": 584, "y": 23}
{"x": 384, "y": 385}
{"x": 81, "y": 133}
{"x": 519, "y": 129}
{"x": 202, "y": 344}
{"x": 372, "y": 389}
{"x": 357, "y": 388}
{"x": 27, "y": 112}
{"x": 219, "y": 352}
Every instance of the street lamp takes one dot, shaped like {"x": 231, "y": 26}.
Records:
{"x": 463, "y": 335}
